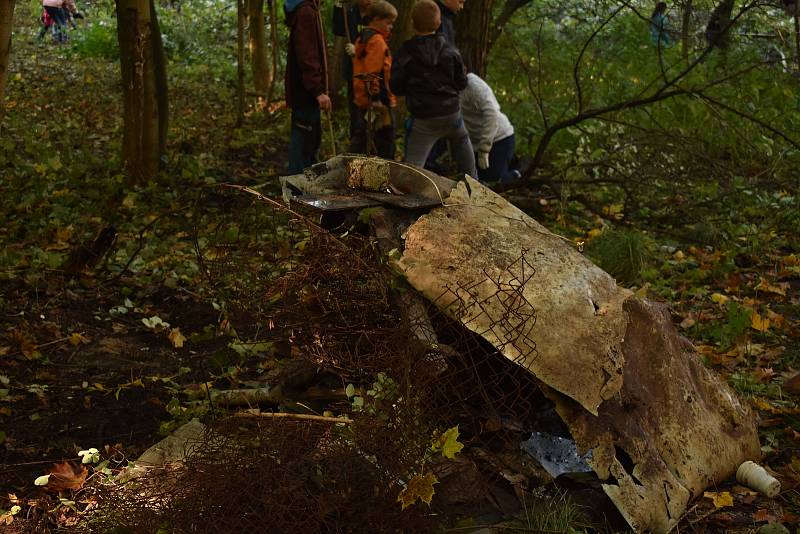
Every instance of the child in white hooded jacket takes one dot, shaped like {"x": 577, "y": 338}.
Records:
{"x": 490, "y": 131}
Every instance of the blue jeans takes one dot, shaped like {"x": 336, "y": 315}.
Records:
{"x": 500, "y": 157}
{"x": 59, "y": 16}
{"x": 305, "y": 139}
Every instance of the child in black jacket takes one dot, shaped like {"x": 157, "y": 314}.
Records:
{"x": 430, "y": 73}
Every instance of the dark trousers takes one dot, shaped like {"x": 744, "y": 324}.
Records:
{"x": 500, "y": 157}
{"x": 305, "y": 139}
{"x": 382, "y": 138}
{"x": 59, "y": 16}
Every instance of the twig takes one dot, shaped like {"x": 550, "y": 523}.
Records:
{"x": 299, "y": 416}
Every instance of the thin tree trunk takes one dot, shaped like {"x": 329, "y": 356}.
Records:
{"x": 496, "y": 28}
{"x": 686, "y": 29}
{"x": 257, "y": 43}
{"x": 6, "y": 23}
{"x": 273, "y": 30}
{"x": 162, "y": 89}
{"x": 240, "y": 8}
{"x": 141, "y": 141}
{"x": 797, "y": 34}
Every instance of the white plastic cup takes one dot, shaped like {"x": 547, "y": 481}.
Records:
{"x": 756, "y": 477}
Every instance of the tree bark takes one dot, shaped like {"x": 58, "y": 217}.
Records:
{"x": 720, "y": 19}
{"x": 472, "y": 34}
{"x": 143, "y": 78}
{"x": 257, "y": 43}
{"x": 402, "y": 30}
{"x": 686, "y": 29}
{"x": 6, "y": 23}
{"x": 162, "y": 90}
{"x": 240, "y": 16}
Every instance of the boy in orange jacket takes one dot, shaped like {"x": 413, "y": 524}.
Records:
{"x": 372, "y": 65}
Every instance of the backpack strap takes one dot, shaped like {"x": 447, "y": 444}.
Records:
{"x": 364, "y": 37}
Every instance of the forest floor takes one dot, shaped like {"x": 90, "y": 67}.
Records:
{"x": 87, "y": 361}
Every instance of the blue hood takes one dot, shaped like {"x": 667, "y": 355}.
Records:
{"x": 291, "y": 5}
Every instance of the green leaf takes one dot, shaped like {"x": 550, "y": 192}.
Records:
{"x": 448, "y": 443}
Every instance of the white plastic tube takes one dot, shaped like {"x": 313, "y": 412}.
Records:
{"x": 756, "y": 477}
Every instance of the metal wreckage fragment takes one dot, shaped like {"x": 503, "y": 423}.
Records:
{"x": 655, "y": 426}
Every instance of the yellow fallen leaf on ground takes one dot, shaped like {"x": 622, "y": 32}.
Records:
{"x": 176, "y": 338}
{"x": 720, "y": 500}
{"x": 759, "y": 323}
{"x": 765, "y": 286}
{"x": 76, "y": 338}
{"x": 719, "y": 298}
{"x": 419, "y": 487}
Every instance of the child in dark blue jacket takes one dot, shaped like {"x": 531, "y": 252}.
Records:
{"x": 429, "y": 72}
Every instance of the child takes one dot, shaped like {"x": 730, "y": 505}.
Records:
{"x": 429, "y": 73}
{"x": 372, "y": 64}
{"x": 490, "y": 131}
{"x": 348, "y": 23}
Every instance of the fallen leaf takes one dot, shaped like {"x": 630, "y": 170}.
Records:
{"x": 761, "y": 324}
{"x": 419, "y": 487}
{"x": 176, "y": 338}
{"x": 688, "y": 322}
{"x": 765, "y": 374}
{"x": 720, "y": 500}
{"x": 775, "y": 318}
{"x": 65, "y": 475}
{"x": 76, "y": 338}
{"x": 765, "y": 286}
{"x": 762, "y": 514}
{"x": 719, "y": 298}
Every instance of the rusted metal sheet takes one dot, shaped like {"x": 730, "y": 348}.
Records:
{"x": 660, "y": 427}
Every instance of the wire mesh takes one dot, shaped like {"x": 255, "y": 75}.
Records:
{"x": 418, "y": 369}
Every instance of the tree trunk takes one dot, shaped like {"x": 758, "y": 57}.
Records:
{"x": 162, "y": 90}
{"x": 257, "y": 42}
{"x": 686, "y": 29}
{"x": 719, "y": 25}
{"x": 273, "y": 29}
{"x": 6, "y": 19}
{"x": 402, "y": 30}
{"x": 143, "y": 78}
{"x": 472, "y": 34}
{"x": 240, "y": 16}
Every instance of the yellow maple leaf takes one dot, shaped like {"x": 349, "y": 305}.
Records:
{"x": 447, "y": 443}
{"x": 759, "y": 323}
{"x": 719, "y": 298}
{"x": 419, "y": 487}
{"x": 720, "y": 500}
{"x": 176, "y": 338}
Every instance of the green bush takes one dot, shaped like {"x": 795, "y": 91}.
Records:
{"x": 97, "y": 39}
{"x": 624, "y": 254}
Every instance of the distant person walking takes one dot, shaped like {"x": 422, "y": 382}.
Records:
{"x": 58, "y": 11}
{"x": 658, "y": 26}
{"x": 305, "y": 82}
